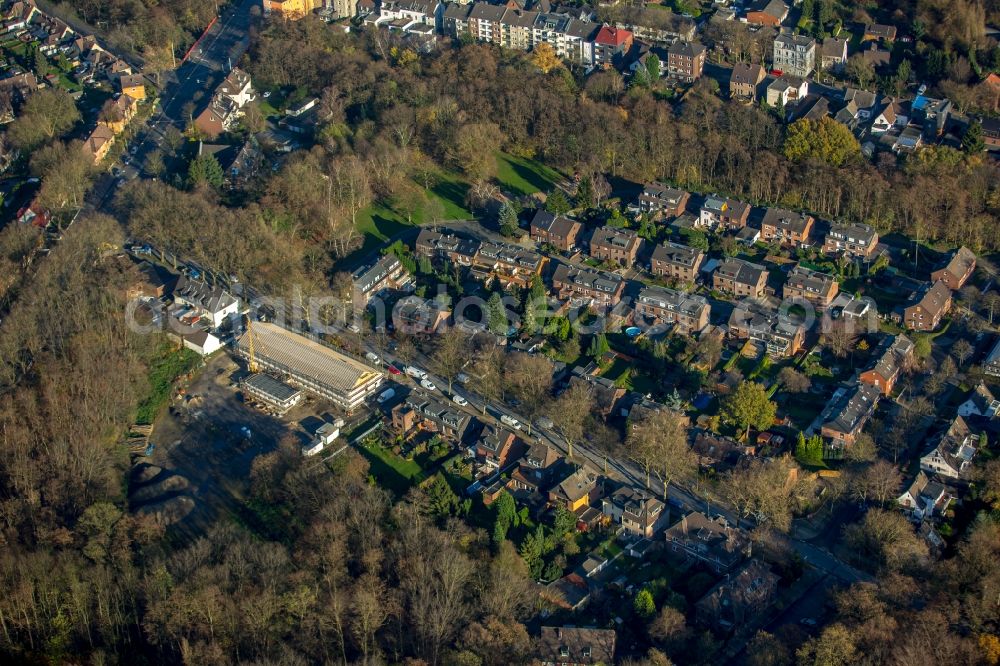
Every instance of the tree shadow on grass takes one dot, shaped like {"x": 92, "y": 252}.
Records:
{"x": 454, "y": 193}
{"x": 533, "y": 176}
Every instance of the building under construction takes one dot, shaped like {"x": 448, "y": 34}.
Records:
{"x": 277, "y": 395}
{"x": 311, "y": 366}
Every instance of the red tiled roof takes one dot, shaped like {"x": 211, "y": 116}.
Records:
{"x": 610, "y": 36}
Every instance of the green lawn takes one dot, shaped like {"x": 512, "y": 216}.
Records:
{"x": 384, "y": 220}
{"x": 165, "y": 367}
{"x": 522, "y": 176}
{"x": 634, "y": 380}
{"x": 390, "y": 470}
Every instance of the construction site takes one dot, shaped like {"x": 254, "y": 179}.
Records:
{"x": 308, "y": 365}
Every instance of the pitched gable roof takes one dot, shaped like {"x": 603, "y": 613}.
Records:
{"x": 611, "y": 36}
{"x": 747, "y": 73}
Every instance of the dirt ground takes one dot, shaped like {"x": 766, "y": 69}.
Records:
{"x": 205, "y": 443}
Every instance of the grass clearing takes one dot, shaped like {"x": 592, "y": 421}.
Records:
{"x": 391, "y": 471}
{"x": 167, "y": 364}
{"x": 523, "y": 176}
{"x": 384, "y": 220}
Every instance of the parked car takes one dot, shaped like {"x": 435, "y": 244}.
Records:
{"x": 428, "y": 384}
{"x": 462, "y": 378}
{"x": 459, "y": 400}
{"x": 373, "y": 357}
{"x": 387, "y": 394}
{"x": 415, "y": 372}
{"x": 393, "y": 370}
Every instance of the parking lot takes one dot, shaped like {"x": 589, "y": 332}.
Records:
{"x": 205, "y": 444}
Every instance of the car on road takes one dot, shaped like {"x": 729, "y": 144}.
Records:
{"x": 393, "y": 370}
{"x": 459, "y": 400}
{"x": 807, "y": 622}
{"x": 415, "y": 372}
{"x": 428, "y": 384}
{"x": 372, "y": 357}
{"x": 387, "y": 394}
{"x": 510, "y": 421}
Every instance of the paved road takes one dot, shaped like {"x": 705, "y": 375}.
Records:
{"x": 627, "y": 471}
{"x": 184, "y": 91}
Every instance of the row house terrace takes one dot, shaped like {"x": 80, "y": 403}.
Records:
{"x": 443, "y": 246}
{"x": 720, "y": 213}
{"x": 781, "y": 336}
{"x": 673, "y": 260}
{"x": 587, "y": 286}
{"x": 509, "y": 264}
{"x": 555, "y": 230}
{"x": 615, "y": 245}
{"x": 928, "y": 306}
{"x": 812, "y": 286}
{"x": 847, "y": 412}
{"x": 786, "y": 227}
{"x": 893, "y": 356}
{"x": 662, "y": 306}
{"x": 959, "y": 268}
{"x": 740, "y": 278}
{"x": 854, "y": 240}
{"x": 659, "y": 200}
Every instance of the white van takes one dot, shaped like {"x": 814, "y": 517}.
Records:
{"x": 373, "y": 357}
{"x": 387, "y": 394}
{"x": 510, "y": 421}
{"x": 416, "y": 372}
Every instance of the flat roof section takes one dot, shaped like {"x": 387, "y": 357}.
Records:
{"x": 270, "y": 388}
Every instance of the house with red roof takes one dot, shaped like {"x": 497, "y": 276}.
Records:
{"x": 610, "y": 43}
{"x": 34, "y": 214}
